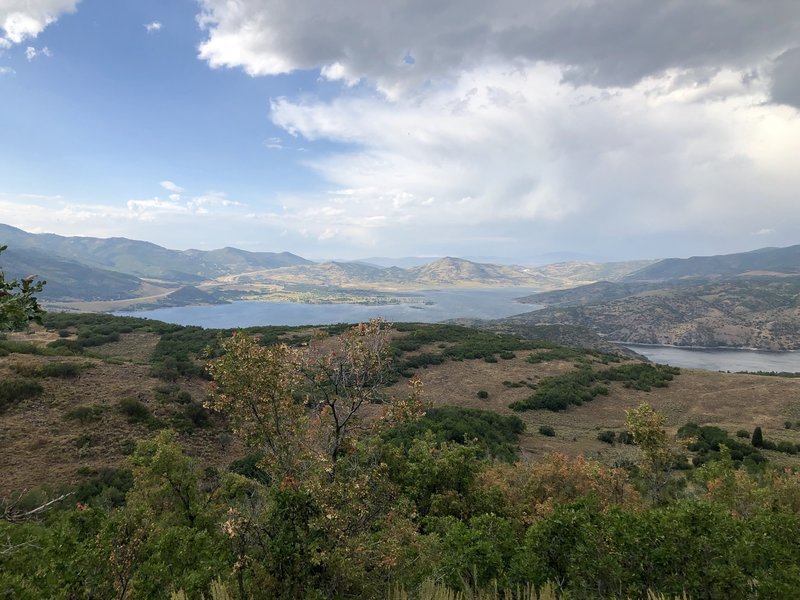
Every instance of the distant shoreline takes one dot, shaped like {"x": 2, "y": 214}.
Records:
{"x": 735, "y": 348}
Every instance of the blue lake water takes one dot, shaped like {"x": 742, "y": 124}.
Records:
{"x": 443, "y": 304}
{"x": 714, "y": 359}
{"x": 439, "y": 305}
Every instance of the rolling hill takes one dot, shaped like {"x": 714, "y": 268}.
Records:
{"x": 776, "y": 261}
{"x": 147, "y": 260}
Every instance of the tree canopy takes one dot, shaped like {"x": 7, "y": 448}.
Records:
{"x": 18, "y": 303}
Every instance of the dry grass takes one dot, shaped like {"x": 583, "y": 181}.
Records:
{"x": 39, "y": 445}
{"x": 729, "y": 401}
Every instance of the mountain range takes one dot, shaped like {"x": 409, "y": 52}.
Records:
{"x": 749, "y": 299}
{"x": 117, "y": 273}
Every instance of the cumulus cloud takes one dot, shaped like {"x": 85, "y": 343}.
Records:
{"x": 397, "y": 44}
{"x": 519, "y": 154}
{"x": 153, "y": 27}
{"x": 171, "y": 186}
{"x": 21, "y": 20}
{"x": 549, "y": 120}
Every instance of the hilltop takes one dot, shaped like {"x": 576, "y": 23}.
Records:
{"x": 749, "y": 300}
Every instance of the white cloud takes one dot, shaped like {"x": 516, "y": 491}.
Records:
{"x": 519, "y": 154}
{"x": 31, "y": 52}
{"x": 171, "y": 187}
{"x": 605, "y": 42}
{"x": 7, "y": 71}
{"x": 21, "y": 20}
{"x": 169, "y": 219}
{"x": 153, "y": 27}
{"x": 571, "y": 122}
{"x": 764, "y": 231}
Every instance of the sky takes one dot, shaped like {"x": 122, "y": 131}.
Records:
{"x": 512, "y": 129}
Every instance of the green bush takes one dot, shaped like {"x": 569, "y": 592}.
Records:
{"x": 106, "y": 488}
{"x": 547, "y": 430}
{"x": 743, "y": 433}
{"x": 496, "y": 435}
{"x": 85, "y": 440}
{"x": 706, "y": 441}
{"x": 483, "y": 394}
{"x": 582, "y": 385}
{"x": 609, "y": 437}
{"x": 137, "y": 412}
{"x": 85, "y": 414}
{"x": 64, "y": 370}
{"x": 16, "y": 390}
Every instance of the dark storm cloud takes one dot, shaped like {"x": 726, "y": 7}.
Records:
{"x": 603, "y": 42}
{"x": 786, "y": 78}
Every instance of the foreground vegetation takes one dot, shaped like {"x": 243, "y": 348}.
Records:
{"x": 351, "y": 491}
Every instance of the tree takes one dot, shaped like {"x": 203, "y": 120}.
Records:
{"x": 18, "y": 304}
{"x": 758, "y": 438}
{"x": 647, "y": 429}
{"x": 301, "y": 407}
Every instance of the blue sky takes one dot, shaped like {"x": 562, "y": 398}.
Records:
{"x": 404, "y": 128}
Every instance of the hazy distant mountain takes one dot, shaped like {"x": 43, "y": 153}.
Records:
{"x": 68, "y": 280}
{"x": 403, "y": 262}
{"x": 762, "y": 261}
{"x": 447, "y": 270}
{"x": 144, "y": 259}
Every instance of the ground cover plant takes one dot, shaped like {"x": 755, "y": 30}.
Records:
{"x": 583, "y": 385}
{"x": 347, "y": 489}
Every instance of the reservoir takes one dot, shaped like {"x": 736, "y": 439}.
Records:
{"x": 432, "y": 306}
{"x": 719, "y": 359}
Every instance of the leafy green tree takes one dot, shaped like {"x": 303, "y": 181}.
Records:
{"x": 18, "y": 303}
{"x": 658, "y": 458}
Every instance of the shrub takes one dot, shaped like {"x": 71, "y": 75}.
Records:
{"x": 787, "y": 424}
{"x": 85, "y": 414}
{"x": 16, "y": 389}
{"x": 625, "y": 437}
{"x": 607, "y": 436}
{"x": 64, "y": 370}
{"x": 137, "y": 412}
{"x": 547, "y": 431}
{"x": 743, "y": 433}
{"x": 495, "y": 435}
{"x": 483, "y": 394}
{"x": 84, "y": 440}
{"x": 105, "y": 488}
